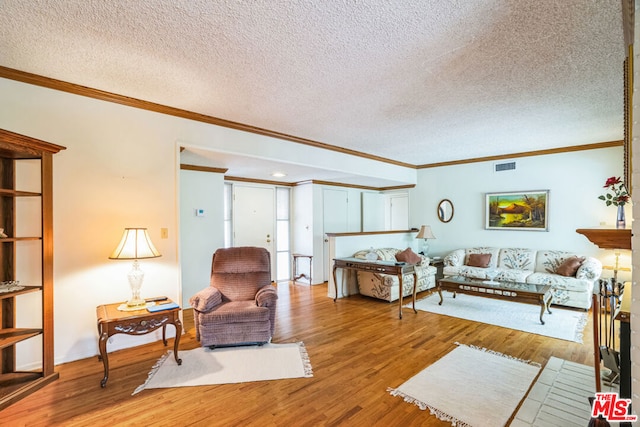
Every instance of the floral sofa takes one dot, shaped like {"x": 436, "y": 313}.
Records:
{"x": 572, "y": 286}
{"x": 385, "y": 286}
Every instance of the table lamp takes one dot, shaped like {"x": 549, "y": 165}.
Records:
{"x": 425, "y": 233}
{"x": 616, "y": 267}
{"x": 135, "y": 244}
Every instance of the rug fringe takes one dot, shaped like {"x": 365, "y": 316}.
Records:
{"x": 582, "y": 323}
{"x": 153, "y": 371}
{"x": 497, "y": 353}
{"x": 423, "y": 406}
{"x": 308, "y": 371}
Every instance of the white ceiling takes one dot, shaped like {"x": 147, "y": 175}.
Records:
{"x": 418, "y": 82}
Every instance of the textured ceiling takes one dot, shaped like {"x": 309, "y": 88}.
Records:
{"x": 419, "y": 82}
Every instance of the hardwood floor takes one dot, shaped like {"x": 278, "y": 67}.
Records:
{"x": 357, "y": 346}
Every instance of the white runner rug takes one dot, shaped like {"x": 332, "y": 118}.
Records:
{"x": 470, "y": 387}
{"x": 202, "y": 366}
{"x": 561, "y": 323}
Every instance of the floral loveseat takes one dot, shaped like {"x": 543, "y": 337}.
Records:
{"x": 385, "y": 286}
{"x": 570, "y": 275}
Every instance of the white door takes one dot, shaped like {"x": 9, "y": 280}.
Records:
{"x": 335, "y": 216}
{"x": 254, "y": 218}
{"x": 399, "y": 212}
{"x": 373, "y": 212}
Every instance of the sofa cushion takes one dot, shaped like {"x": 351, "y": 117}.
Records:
{"x": 483, "y": 250}
{"x": 591, "y": 269}
{"x": 569, "y": 266}
{"x": 239, "y": 312}
{"x": 517, "y": 258}
{"x": 479, "y": 260}
{"x": 408, "y": 256}
{"x": 560, "y": 282}
{"x": 513, "y": 275}
{"x": 384, "y": 254}
{"x": 467, "y": 271}
{"x": 454, "y": 259}
{"x": 548, "y": 261}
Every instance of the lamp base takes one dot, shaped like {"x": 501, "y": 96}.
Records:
{"x": 425, "y": 248}
{"x": 136, "y": 276}
{"x": 136, "y": 302}
{"x": 125, "y": 307}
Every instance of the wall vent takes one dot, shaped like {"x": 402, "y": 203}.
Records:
{"x": 501, "y": 167}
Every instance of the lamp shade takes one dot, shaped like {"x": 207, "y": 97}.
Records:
{"x": 425, "y": 233}
{"x": 135, "y": 244}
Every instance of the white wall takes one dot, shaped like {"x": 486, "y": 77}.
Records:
{"x": 200, "y": 236}
{"x": 575, "y": 181}
{"x": 121, "y": 169}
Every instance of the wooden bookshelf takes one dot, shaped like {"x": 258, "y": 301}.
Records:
{"x": 16, "y": 382}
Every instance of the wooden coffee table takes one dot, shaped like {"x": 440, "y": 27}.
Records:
{"x": 508, "y": 291}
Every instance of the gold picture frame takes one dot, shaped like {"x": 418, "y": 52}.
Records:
{"x": 517, "y": 211}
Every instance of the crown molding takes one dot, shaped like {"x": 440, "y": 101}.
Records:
{"x": 187, "y": 167}
{"x": 38, "y": 80}
{"x": 573, "y": 148}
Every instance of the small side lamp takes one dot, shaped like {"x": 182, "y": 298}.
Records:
{"x": 135, "y": 244}
{"x": 425, "y": 233}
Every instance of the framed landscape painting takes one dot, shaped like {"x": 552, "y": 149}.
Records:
{"x": 525, "y": 211}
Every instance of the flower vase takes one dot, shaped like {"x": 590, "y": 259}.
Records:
{"x": 620, "y": 221}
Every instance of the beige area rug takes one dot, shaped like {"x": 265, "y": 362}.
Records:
{"x": 561, "y": 323}
{"x": 229, "y": 365}
{"x": 470, "y": 387}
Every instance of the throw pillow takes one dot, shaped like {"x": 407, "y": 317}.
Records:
{"x": 479, "y": 260}
{"x": 206, "y": 299}
{"x": 570, "y": 266}
{"x": 408, "y": 256}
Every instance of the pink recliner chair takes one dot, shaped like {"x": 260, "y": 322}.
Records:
{"x": 239, "y": 306}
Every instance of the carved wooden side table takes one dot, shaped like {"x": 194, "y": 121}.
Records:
{"x": 112, "y": 321}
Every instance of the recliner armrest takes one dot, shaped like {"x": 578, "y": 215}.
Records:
{"x": 266, "y": 296}
{"x": 206, "y": 299}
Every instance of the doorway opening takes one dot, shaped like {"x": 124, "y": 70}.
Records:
{"x": 258, "y": 215}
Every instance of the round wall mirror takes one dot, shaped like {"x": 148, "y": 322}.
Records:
{"x": 445, "y": 210}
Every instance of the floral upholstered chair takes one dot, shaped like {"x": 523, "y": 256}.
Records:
{"x": 239, "y": 306}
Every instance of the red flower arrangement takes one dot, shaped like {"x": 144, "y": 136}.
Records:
{"x": 618, "y": 195}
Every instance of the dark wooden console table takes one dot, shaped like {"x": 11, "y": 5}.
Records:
{"x": 380, "y": 267}
{"x": 112, "y": 321}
